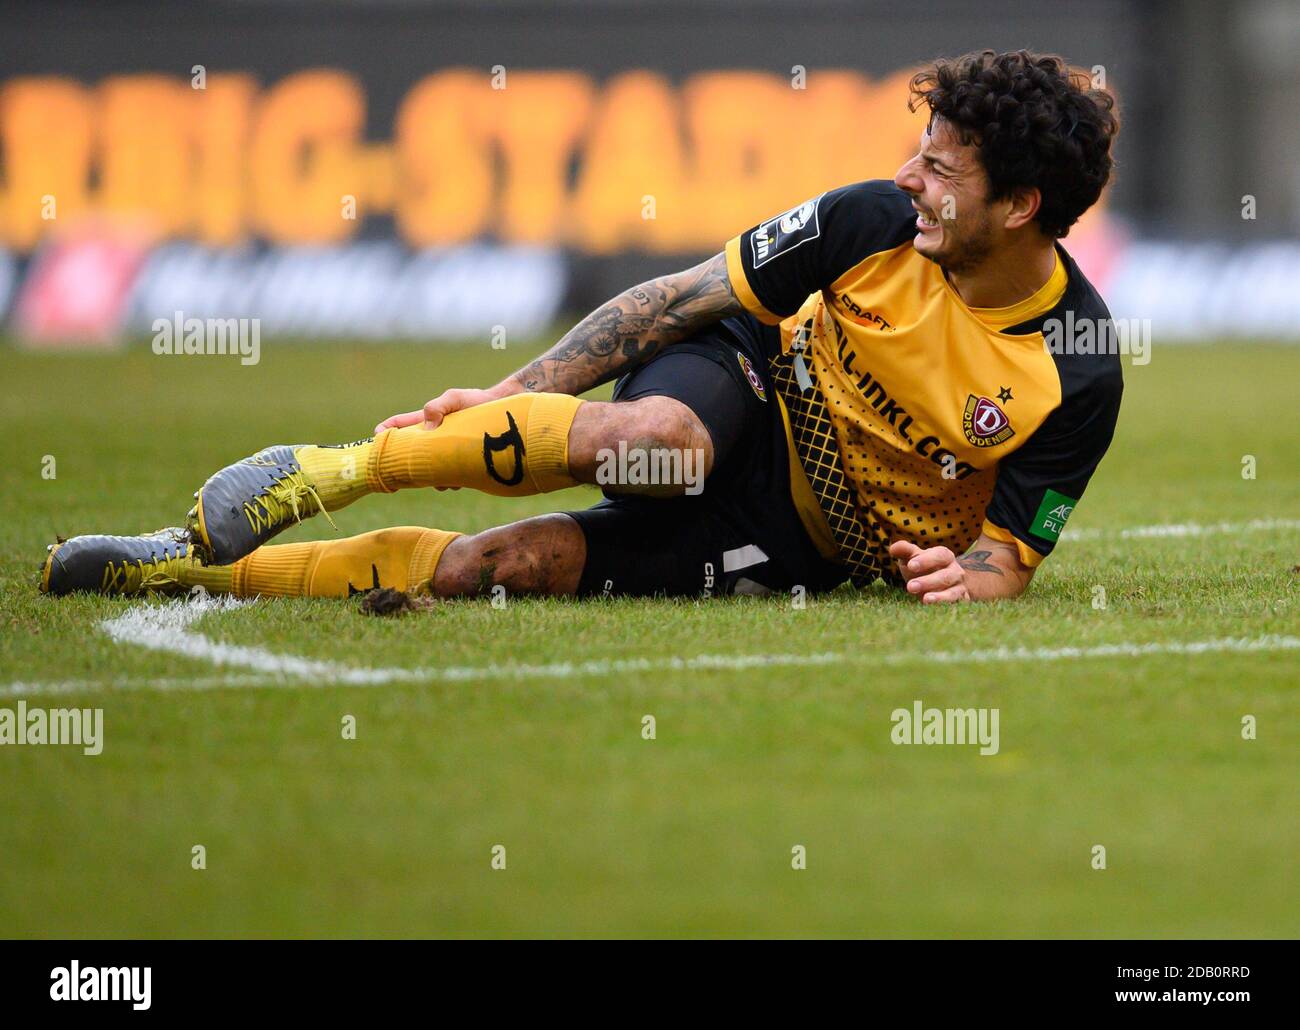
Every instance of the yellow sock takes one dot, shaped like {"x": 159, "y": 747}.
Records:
{"x": 213, "y": 578}
{"x": 404, "y": 558}
{"x": 338, "y": 471}
{"x": 511, "y": 448}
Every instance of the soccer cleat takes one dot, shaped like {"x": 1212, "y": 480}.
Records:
{"x": 119, "y": 564}
{"x": 244, "y": 505}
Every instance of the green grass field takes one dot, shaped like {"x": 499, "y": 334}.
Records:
{"x": 606, "y": 833}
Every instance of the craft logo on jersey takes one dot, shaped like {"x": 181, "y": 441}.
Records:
{"x": 782, "y": 234}
{"x": 752, "y": 375}
{"x": 984, "y": 423}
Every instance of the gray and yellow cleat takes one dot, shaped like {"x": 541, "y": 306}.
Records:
{"x": 246, "y": 504}
{"x": 152, "y": 563}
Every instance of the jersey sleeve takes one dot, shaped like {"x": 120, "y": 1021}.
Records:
{"x": 774, "y": 266}
{"x": 1039, "y": 485}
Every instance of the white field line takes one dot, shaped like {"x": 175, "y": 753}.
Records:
{"x": 607, "y": 667}
{"x": 1185, "y": 529}
{"x": 1266, "y": 642}
{"x": 163, "y": 628}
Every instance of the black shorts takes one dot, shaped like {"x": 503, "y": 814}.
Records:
{"x": 741, "y": 533}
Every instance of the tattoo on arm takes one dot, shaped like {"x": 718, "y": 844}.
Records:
{"x": 632, "y": 327}
{"x": 978, "y": 561}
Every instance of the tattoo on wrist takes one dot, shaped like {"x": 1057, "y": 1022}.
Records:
{"x": 978, "y": 561}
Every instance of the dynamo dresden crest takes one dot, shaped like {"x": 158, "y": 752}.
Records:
{"x": 755, "y": 380}
{"x": 984, "y": 423}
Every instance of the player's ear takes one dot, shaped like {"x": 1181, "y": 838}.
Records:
{"x": 1025, "y": 203}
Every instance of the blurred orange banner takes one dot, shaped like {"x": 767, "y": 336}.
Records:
{"x": 631, "y": 163}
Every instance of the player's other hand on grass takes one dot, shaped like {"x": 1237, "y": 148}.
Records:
{"x": 432, "y": 414}
{"x": 930, "y": 573}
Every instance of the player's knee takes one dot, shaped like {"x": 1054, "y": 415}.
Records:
{"x": 666, "y": 442}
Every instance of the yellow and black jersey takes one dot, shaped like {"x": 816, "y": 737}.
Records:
{"x": 913, "y": 415}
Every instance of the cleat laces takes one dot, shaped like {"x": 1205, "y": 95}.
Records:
{"x": 152, "y": 573}
{"x": 293, "y": 497}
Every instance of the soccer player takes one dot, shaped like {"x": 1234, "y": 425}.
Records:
{"x": 865, "y": 379}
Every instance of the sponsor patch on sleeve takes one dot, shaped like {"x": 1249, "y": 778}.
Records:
{"x": 782, "y": 234}
{"x": 1052, "y": 513}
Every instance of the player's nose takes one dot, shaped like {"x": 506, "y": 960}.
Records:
{"x": 908, "y": 178}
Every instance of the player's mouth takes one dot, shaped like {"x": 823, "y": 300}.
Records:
{"x": 925, "y": 222}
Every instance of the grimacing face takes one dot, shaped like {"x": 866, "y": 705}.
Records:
{"x": 955, "y": 227}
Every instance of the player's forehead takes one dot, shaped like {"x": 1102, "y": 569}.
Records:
{"x": 940, "y": 142}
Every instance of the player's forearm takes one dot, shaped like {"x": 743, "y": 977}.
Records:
{"x": 993, "y": 571}
{"x": 629, "y": 329}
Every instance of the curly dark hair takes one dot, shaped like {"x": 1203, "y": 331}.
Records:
{"x": 1036, "y": 123}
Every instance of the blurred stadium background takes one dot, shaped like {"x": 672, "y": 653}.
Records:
{"x": 380, "y": 169}
{"x": 349, "y": 174}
